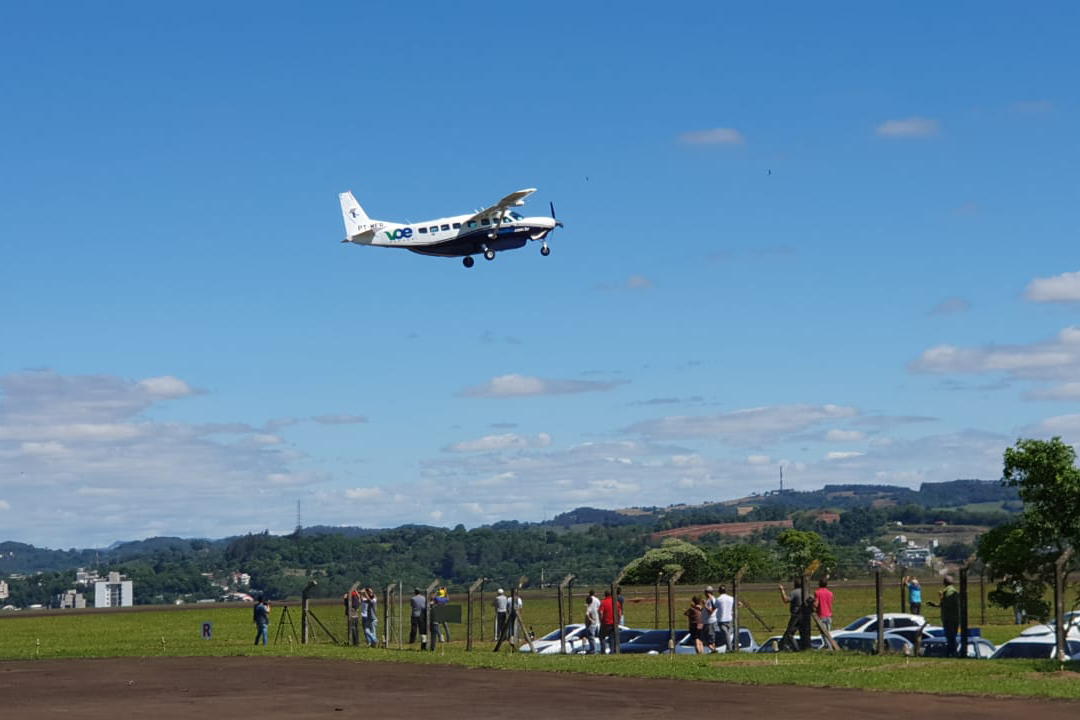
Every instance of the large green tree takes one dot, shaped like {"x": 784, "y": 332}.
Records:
{"x": 1021, "y": 554}
{"x": 799, "y": 548}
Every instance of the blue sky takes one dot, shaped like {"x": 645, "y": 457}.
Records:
{"x": 839, "y": 239}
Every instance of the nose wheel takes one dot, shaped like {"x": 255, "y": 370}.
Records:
{"x": 467, "y": 261}
{"x": 489, "y": 254}
{"x": 545, "y": 250}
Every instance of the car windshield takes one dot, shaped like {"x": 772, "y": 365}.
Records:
{"x": 554, "y": 634}
{"x": 858, "y": 623}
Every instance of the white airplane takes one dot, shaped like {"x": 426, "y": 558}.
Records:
{"x": 487, "y": 231}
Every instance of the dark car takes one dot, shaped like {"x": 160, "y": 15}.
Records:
{"x": 977, "y": 647}
{"x": 650, "y": 641}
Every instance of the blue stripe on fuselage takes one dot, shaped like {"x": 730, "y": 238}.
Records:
{"x": 472, "y": 242}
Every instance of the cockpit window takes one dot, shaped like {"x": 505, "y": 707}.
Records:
{"x": 516, "y": 216}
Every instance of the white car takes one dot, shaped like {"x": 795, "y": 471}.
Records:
{"x": 893, "y": 622}
{"x": 1072, "y": 625}
{"x": 1036, "y": 646}
{"x": 577, "y": 641}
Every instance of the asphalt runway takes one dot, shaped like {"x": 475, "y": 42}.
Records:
{"x": 279, "y": 688}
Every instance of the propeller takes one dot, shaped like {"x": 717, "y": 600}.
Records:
{"x": 557, "y": 223}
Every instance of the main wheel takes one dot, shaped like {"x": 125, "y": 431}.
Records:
{"x": 489, "y": 254}
{"x": 545, "y": 250}
{"x": 467, "y": 261}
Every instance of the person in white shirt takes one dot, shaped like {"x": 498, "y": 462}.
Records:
{"x": 725, "y": 607}
{"x": 592, "y": 620}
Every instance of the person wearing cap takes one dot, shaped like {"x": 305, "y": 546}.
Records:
{"x": 949, "y": 602}
{"x": 418, "y": 605}
{"x": 709, "y": 619}
{"x": 501, "y": 603}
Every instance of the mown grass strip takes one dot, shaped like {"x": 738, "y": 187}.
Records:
{"x": 178, "y": 633}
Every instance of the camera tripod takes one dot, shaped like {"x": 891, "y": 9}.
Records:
{"x": 282, "y": 621}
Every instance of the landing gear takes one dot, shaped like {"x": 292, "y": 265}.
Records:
{"x": 489, "y": 254}
{"x": 467, "y": 261}
{"x": 545, "y": 250}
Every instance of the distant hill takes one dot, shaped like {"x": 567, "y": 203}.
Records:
{"x": 764, "y": 510}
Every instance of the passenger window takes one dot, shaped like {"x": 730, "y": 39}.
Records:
{"x": 423, "y": 230}
{"x": 483, "y": 221}
{"x": 434, "y": 228}
{"x": 445, "y": 227}
{"x": 472, "y": 223}
{"x": 457, "y": 225}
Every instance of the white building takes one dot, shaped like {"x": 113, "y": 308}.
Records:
{"x": 70, "y": 599}
{"x": 114, "y": 592}
{"x": 4, "y": 591}
{"x": 915, "y": 556}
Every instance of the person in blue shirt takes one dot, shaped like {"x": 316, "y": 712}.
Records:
{"x": 914, "y": 590}
{"x": 262, "y": 620}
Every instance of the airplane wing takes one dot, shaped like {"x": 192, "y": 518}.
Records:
{"x": 514, "y": 199}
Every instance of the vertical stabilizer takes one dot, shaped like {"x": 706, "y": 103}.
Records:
{"x": 356, "y": 220}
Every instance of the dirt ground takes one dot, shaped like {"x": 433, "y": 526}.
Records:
{"x": 278, "y": 688}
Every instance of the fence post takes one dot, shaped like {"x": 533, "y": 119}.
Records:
{"x": 387, "y": 595}
{"x": 1059, "y": 604}
{"x": 880, "y": 614}
{"x": 656, "y": 603}
{"x": 562, "y": 626}
{"x": 982, "y": 596}
{"x": 570, "y": 600}
{"x": 671, "y": 610}
{"x": 469, "y": 623}
{"x": 963, "y": 611}
{"x": 903, "y": 589}
{"x": 735, "y": 581}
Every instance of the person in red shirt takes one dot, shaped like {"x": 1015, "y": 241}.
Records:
{"x": 823, "y": 600}
{"x": 608, "y": 613}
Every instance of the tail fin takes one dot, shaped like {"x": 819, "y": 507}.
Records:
{"x": 356, "y": 220}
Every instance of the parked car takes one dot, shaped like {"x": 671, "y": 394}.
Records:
{"x": 978, "y": 647}
{"x": 773, "y": 644}
{"x": 1035, "y": 647}
{"x": 746, "y": 644}
{"x": 576, "y": 641}
{"x": 866, "y": 642}
{"x": 651, "y": 641}
{"x": 893, "y": 621}
{"x": 1072, "y": 626}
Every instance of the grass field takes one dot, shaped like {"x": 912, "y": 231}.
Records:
{"x": 154, "y": 632}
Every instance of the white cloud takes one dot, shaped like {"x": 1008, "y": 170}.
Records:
{"x": 4, "y": 504}
{"x": 1066, "y": 426}
{"x": 1063, "y": 391}
{"x": 715, "y": 136}
{"x": 846, "y": 455}
{"x": 525, "y": 385}
{"x": 1059, "y": 288}
{"x": 967, "y": 209}
{"x": 1032, "y": 107}
{"x": 88, "y": 444}
{"x": 1056, "y": 359}
{"x": 505, "y": 441}
{"x": 166, "y": 386}
{"x": 836, "y": 435}
{"x": 759, "y": 459}
{"x": 909, "y": 127}
{"x": 747, "y": 426}
{"x": 951, "y": 306}
{"x": 364, "y": 493}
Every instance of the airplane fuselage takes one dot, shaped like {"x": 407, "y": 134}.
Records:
{"x": 460, "y": 235}
{"x": 488, "y": 231}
